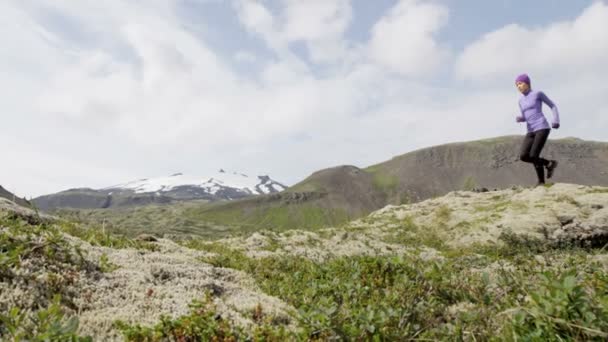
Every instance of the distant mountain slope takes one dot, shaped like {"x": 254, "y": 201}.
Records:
{"x": 334, "y": 195}
{"x": 490, "y": 163}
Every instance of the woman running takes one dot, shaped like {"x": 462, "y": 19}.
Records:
{"x": 530, "y": 105}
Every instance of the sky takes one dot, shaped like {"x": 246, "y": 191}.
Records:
{"x": 95, "y": 93}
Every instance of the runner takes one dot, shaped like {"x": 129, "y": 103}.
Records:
{"x": 530, "y": 105}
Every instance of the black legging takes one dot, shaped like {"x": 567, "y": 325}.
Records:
{"x": 530, "y": 151}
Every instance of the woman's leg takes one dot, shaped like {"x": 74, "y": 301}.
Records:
{"x": 525, "y": 152}
{"x": 526, "y": 147}
{"x": 540, "y": 138}
{"x": 551, "y": 168}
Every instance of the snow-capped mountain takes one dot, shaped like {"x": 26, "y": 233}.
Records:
{"x": 223, "y": 185}
{"x": 222, "y": 180}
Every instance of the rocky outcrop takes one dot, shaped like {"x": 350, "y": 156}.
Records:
{"x": 561, "y": 213}
{"x": 12, "y": 197}
{"x": 11, "y": 209}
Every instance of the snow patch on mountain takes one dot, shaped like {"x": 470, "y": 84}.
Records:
{"x": 222, "y": 179}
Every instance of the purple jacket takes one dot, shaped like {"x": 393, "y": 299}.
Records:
{"x": 530, "y": 105}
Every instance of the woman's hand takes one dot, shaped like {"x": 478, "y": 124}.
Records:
{"x": 519, "y": 119}
{"x": 555, "y": 125}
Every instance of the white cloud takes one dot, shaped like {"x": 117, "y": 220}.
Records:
{"x": 245, "y": 57}
{"x": 257, "y": 19}
{"x": 175, "y": 86}
{"x": 316, "y": 19}
{"x": 321, "y": 25}
{"x": 566, "y": 48}
{"x": 404, "y": 39}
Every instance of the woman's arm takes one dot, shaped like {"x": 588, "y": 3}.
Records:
{"x": 520, "y": 118}
{"x": 552, "y": 105}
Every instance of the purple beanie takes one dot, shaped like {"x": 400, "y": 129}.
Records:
{"x": 523, "y": 78}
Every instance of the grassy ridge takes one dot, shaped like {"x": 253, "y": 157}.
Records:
{"x": 272, "y": 217}
{"x": 211, "y": 221}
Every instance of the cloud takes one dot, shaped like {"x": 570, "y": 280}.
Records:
{"x": 321, "y": 25}
{"x": 566, "y": 48}
{"x": 257, "y": 19}
{"x": 245, "y": 57}
{"x": 174, "y": 87}
{"x": 404, "y": 42}
{"x": 316, "y": 19}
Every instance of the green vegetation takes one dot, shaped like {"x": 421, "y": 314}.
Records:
{"x": 469, "y": 184}
{"x": 99, "y": 237}
{"x": 597, "y": 191}
{"x": 488, "y": 142}
{"x": 306, "y": 186}
{"x": 151, "y": 219}
{"x": 50, "y": 324}
{"x": 105, "y": 265}
{"x": 383, "y": 181}
{"x": 210, "y": 221}
{"x": 497, "y": 197}
{"x": 204, "y": 324}
{"x": 274, "y": 217}
{"x": 568, "y": 199}
{"x": 497, "y": 207}
{"x": 443, "y": 214}
{"x": 408, "y": 234}
{"x": 404, "y": 198}
{"x": 520, "y": 206}
{"x": 44, "y": 245}
{"x": 21, "y": 241}
{"x": 461, "y": 297}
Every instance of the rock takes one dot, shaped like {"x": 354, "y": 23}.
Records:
{"x": 590, "y": 232}
{"x": 565, "y": 219}
{"x": 147, "y": 237}
{"x": 540, "y": 259}
{"x": 11, "y": 209}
